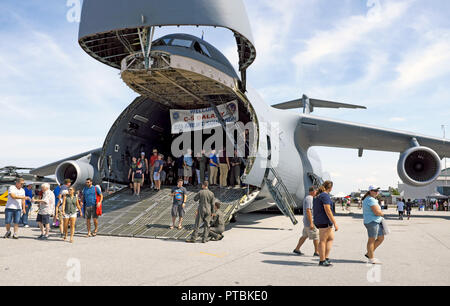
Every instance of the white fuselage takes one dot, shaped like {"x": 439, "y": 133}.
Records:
{"x": 292, "y": 162}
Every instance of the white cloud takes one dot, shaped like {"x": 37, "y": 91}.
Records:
{"x": 397, "y": 119}
{"x": 424, "y": 64}
{"x": 348, "y": 33}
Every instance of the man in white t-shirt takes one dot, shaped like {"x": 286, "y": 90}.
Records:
{"x": 46, "y": 208}
{"x": 401, "y": 208}
{"x": 309, "y": 230}
{"x": 15, "y": 206}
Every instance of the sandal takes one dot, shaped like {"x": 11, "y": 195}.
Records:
{"x": 171, "y": 227}
{"x": 88, "y": 235}
{"x": 94, "y": 234}
{"x": 180, "y": 227}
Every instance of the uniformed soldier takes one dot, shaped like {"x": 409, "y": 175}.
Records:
{"x": 217, "y": 223}
{"x": 205, "y": 208}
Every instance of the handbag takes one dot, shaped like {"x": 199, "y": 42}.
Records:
{"x": 99, "y": 210}
{"x": 386, "y": 230}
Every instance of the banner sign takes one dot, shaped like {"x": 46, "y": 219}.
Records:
{"x": 199, "y": 119}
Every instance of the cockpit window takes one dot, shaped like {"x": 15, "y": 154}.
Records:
{"x": 162, "y": 42}
{"x": 181, "y": 43}
{"x": 159, "y": 43}
{"x": 200, "y": 48}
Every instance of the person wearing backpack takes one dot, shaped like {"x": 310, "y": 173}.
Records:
{"x": 92, "y": 199}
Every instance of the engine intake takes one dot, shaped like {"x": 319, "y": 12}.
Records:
{"x": 419, "y": 166}
{"x": 76, "y": 171}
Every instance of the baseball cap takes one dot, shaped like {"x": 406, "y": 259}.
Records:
{"x": 371, "y": 187}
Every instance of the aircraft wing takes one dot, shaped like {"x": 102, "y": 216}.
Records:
{"x": 50, "y": 169}
{"x": 318, "y": 131}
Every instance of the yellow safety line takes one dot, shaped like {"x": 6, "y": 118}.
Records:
{"x": 219, "y": 256}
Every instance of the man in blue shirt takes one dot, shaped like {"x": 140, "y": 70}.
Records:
{"x": 188, "y": 163}
{"x": 213, "y": 168}
{"x": 56, "y": 192}
{"x": 90, "y": 194}
{"x": 28, "y": 193}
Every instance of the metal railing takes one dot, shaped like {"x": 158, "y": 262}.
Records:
{"x": 281, "y": 195}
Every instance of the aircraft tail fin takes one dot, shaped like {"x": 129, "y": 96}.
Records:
{"x": 308, "y": 105}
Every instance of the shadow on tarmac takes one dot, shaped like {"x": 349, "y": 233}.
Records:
{"x": 290, "y": 263}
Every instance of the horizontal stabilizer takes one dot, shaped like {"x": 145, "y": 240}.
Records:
{"x": 309, "y": 104}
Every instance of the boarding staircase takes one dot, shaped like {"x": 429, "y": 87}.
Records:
{"x": 149, "y": 215}
{"x": 284, "y": 200}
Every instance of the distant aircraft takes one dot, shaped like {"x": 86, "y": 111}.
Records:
{"x": 8, "y": 176}
{"x": 184, "y": 72}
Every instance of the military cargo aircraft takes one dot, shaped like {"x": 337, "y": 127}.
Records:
{"x": 185, "y": 73}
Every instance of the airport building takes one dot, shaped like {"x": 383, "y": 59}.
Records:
{"x": 440, "y": 186}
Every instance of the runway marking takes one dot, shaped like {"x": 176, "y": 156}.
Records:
{"x": 219, "y": 256}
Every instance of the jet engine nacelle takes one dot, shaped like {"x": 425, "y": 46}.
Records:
{"x": 419, "y": 166}
{"x": 76, "y": 171}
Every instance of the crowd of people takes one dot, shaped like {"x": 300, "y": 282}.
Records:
{"x": 208, "y": 212}
{"x": 320, "y": 224}
{"x": 215, "y": 167}
{"x": 63, "y": 204}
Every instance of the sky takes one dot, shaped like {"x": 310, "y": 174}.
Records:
{"x": 391, "y": 56}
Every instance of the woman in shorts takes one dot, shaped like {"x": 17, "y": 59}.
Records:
{"x": 70, "y": 206}
{"x": 130, "y": 172}
{"x": 373, "y": 217}
{"x": 324, "y": 220}
{"x": 137, "y": 177}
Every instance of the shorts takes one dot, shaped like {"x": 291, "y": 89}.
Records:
{"x": 90, "y": 212}
{"x": 163, "y": 176}
{"x": 157, "y": 176}
{"x": 323, "y": 225}
{"x": 188, "y": 171}
{"x": 178, "y": 211}
{"x": 180, "y": 172}
{"x": 374, "y": 230}
{"x": 70, "y": 216}
{"x": 44, "y": 219}
{"x": 12, "y": 216}
{"x": 137, "y": 181}
{"x": 311, "y": 234}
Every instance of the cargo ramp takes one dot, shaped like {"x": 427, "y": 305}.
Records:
{"x": 149, "y": 215}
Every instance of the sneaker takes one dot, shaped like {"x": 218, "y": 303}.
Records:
{"x": 325, "y": 264}
{"x": 7, "y": 235}
{"x": 375, "y": 261}
{"x": 45, "y": 238}
{"x": 15, "y": 236}
{"x": 40, "y": 237}
{"x": 27, "y": 226}
{"x": 221, "y": 237}
{"x": 191, "y": 240}
{"x": 205, "y": 240}
{"x": 298, "y": 252}
{"x": 316, "y": 255}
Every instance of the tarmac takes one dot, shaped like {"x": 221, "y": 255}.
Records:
{"x": 256, "y": 251}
